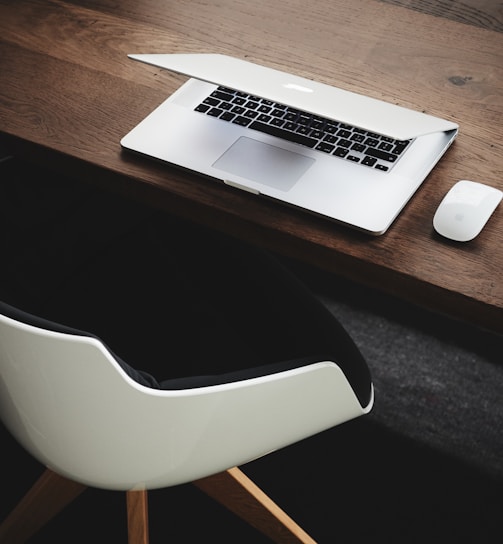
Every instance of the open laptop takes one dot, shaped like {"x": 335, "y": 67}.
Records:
{"x": 341, "y": 155}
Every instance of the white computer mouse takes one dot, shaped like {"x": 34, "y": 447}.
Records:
{"x": 465, "y": 209}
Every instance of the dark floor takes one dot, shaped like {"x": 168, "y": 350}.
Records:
{"x": 353, "y": 484}
{"x": 425, "y": 466}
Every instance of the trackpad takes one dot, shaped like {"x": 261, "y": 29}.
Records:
{"x": 264, "y": 163}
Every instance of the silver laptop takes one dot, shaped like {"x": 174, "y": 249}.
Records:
{"x": 344, "y": 156}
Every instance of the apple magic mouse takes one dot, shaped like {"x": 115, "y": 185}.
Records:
{"x": 465, "y": 209}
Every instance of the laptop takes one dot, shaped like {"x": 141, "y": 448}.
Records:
{"x": 344, "y": 156}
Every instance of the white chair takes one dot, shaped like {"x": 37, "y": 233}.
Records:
{"x": 70, "y": 403}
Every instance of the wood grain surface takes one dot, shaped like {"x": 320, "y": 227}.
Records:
{"x": 68, "y": 93}
{"x": 483, "y": 13}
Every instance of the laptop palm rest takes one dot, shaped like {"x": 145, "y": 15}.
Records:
{"x": 264, "y": 163}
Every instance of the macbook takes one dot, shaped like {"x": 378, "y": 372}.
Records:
{"x": 340, "y": 155}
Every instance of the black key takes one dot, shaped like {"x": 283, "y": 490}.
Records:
{"x": 380, "y": 154}
{"x": 341, "y": 152}
{"x": 211, "y": 101}
{"x": 371, "y": 141}
{"x": 369, "y": 161}
{"x": 227, "y": 116}
{"x": 304, "y": 120}
{"x": 243, "y": 121}
{"x": 344, "y": 133}
{"x": 202, "y": 108}
{"x": 331, "y": 139}
{"x": 291, "y": 126}
{"x": 345, "y": 143}
{"x": 264, "y": 118}
{"x": 326, "y": 148}
{"x": 303, "y": 130}
{"x": 277, "y": 122}
{"x": 358, "y": 147}
{"x": 285, "y": 135}
{"x": 238, "y": 110}
{"x": 251, "y": 113}
{"x": 221, "y": 95}
{"x": 215, "y": 112}
{"x": 385, "y": 146}
{"x": 317, "y": 124}
{"x": 331, "y": 127}
{"x": 357, "y": 137}
{"x": 400, "y": 146}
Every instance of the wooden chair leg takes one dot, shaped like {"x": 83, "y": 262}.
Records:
{"x": 48, "y": 496}
{"x": 137, "y": 517}
{"x": 242, "y": 496}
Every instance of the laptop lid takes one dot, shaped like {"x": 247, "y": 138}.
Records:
{"x": 301, "y": 93}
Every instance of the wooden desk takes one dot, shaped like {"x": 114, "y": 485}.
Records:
{"x": 68, "y": 93}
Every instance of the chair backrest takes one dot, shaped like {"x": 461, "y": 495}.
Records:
{"x": 68, "y": 401}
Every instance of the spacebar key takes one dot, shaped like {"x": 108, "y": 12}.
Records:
{"x": 283, "y": 134}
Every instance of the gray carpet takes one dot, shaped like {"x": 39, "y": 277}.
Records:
{"x": 437, "y": 381}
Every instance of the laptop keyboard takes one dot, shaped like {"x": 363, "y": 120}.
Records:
{"x": 331, "y": 137}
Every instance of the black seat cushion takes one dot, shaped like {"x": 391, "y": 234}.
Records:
{"x": 144, "y": 378}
